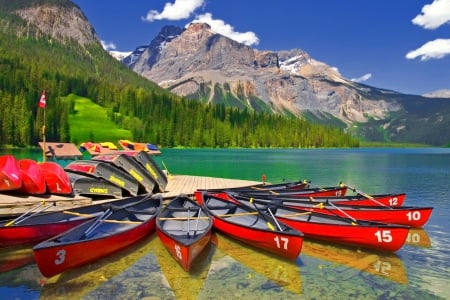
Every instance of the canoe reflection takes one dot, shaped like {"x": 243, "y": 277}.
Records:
{"x": 384, "y": 264}
{"x": 418, "y": 237}
{"x": 282, "y": 272}
{"x": 15, "y": 257}
{"x": 94, "y": 278}
{"x": 185, "y": 285}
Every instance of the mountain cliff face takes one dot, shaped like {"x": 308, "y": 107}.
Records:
{"x": 59, "y": 19}
{"x": 199, "y": 62}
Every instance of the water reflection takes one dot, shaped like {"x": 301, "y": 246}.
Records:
{"x": 238, "y": 271}
{"x": 98, "y": 278}
{"x": 279, "y": 272}
{"x": 385, "y": 264}
{"x": 184, "y": 285}
{"x": 418, "y": 237}
{"x": 15, "y": 257}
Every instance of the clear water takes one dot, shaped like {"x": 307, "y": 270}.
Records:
{"x": 419, "y": 270}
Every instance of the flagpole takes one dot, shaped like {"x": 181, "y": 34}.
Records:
{"x": 43, "y": 104}
{"x": 43, "y": 140}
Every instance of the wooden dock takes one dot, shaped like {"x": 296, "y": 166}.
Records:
{"x": 184, "y": 184}
{"x": 13, "y": 205}
{"x": 61, "y": 150}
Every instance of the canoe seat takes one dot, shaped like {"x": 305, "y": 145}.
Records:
{"x": 174, "y": 226}
{"x": 245, "y": 220}
{"x": 140, "y": 212}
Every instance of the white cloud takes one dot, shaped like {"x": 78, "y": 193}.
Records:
{"x": 183, "y": 9}
{"x": 437, "y": 49}
{"x": 108, "y": 45}
{"x": 433, "y": 15}
{"x": 363, "y": 78}
{"x": 180, "y": 9}
{"x": 248, "y": 38}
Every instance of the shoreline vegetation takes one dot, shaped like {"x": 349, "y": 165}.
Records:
{"x": 89, "y": 117}
{"x": 363, "y": 145}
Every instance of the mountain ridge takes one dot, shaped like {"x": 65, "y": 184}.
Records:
{"x": 197, "y": 63}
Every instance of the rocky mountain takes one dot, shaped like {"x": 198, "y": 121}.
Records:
{"x": 438, "y": 94}
{"x": 198, "y": 63}
{"x": 59, "y": 19}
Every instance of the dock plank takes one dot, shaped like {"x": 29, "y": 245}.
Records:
{"x": 187, "y": 184}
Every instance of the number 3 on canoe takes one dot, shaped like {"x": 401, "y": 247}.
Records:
{"x": 61, "y": 256}
{"x": 383, "y": 236}
{"x": 281, "y": 242}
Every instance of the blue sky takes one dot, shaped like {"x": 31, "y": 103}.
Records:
{"x": 392, "y": 44}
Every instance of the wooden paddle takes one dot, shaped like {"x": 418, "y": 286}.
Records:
{"x": 108, "y": 213}
{"x": 96, "y": 223}
{"x": 269, "y": 224}
{"x": 364, "y": 194}
{"x": 28, "y": 214}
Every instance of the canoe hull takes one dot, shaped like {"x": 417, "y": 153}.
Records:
{"x": 332, "y": 228}
{"x": 285, "y": 243}
{"x": 132, "y": 167}
{"x": 85, "y": 185}
{"x": 40, "y": 227}
{"x": 31, "y": 234}
{"x": 392, "y": 200}
{"x": 76, "y": 247}
{"x": 184, "y": 254}
{"x": 376, "y": 200}
{"x": 150, "y": 165}
{"x": 52, "y": 260}
{"x": 382, "y": 237}
{"x": 403, "y": 215}
{"x": 108, "y": 172}
{"x": 409, "y": 216}
{"x": 56, "y": 179}
{"x": 10, "y": 178}
{"x": 33, "y": 180}
{"x": 185, "y": 229}
{"x": 288, "y": 246}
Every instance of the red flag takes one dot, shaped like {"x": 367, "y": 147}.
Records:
{"x": 43, "y": 100}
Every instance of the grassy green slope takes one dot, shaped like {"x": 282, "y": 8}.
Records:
{"x": 90, "y": 123}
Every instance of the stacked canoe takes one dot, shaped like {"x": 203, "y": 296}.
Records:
{"x": 26, "y": 176}
{"x": 127, "y": 173}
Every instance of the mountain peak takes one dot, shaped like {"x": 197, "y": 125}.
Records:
{"x": 198, "y": 27}
{"x": 60, "y": 19}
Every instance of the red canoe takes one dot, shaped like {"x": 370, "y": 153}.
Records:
{"x": 33, "y": 180}
{"x": 332, "y": 191}
{"x": 37, "y": 225}
{"x": 393, "y": 200}
{"x": 56, "y": 179}
{"x": 116, "y": 229}
{"x": 403, "y": 215}
{"x": 184, "y": 228}
{"x": 10, "y": 178}
{"x": 284, "y": 186}
{"x": 253, "y": 227}
{"x": 331, "y": 228}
